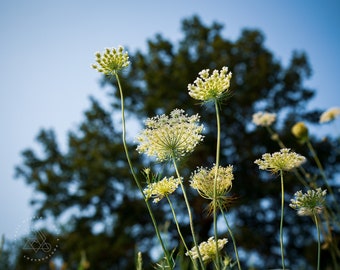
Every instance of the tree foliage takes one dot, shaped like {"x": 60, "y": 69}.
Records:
{"x": 89, "y": 190}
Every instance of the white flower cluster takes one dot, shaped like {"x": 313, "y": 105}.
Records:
{"x": 112, "y": 61}
{"x": 158, "y": 190}
{"x": 203, "y": 181}
{"x": 280, "y": 161}
{"x": 207, "y": 249}
{"x": 264, "y": 119}
{"x": 208, "y": 88}
{"x": 329, "y": 115}
{"x": 170, "y": 137}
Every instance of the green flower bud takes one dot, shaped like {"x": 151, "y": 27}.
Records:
{"x": 300, "y": 131}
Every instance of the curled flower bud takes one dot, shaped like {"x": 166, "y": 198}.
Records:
{"x": 310, "y": 203}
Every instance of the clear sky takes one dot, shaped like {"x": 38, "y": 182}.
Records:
{"x": 47, "y": 47}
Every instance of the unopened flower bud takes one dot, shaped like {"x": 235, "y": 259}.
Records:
{"x": 300, "y": 131}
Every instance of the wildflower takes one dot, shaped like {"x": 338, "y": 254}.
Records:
{"x": 300, "y": 131}
{"x": 280, "y": 161}
{"x": 264, "y": 119}
{"x": 170, "y": 137}
{"x": 112, "y": 61}
{"x": 310, "y": 203}
{"x": 209, "y": 88}
{"x": 158, "y": 190}
{"x": 207, "y": 249}
{"x": 203, "y": 181}
{"x": 329, "y": 115}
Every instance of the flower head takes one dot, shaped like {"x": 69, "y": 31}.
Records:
{"x": 329, "y": 115}
{"x": 170, "y": 137}
{"x": 207, "y": 249}
{"x": 203, "y": 181}
{"x": 158, "y": 190}
{"x": 300, "y": 131}
{"x": 310, "y": 203}
{"x": 208, "y": 88}
{"x": 264, "y": 119}
{"x": 112, "y": 61}
{"x": 280, "y": 161}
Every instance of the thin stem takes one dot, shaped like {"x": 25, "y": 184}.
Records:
{"x": 179, "y": 231}
{"x": 318, "y": 232}
{"x": 318, "y": 163}
{"x": 167, "y": 255}
{"x": 281, "y": 221}
{"x": 232, "y": 237}
{"x": 189, "y": 213}
{"x": 275, "y": 137}
{"x": 322, "y": 171}
{"x": 323, "y": 174}
{"x": 216, "y": 263}
{"x": 218, "y": 146}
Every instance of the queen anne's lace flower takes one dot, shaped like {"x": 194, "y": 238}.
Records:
{"x": 264, "y": 119}
{"x": 203, "y": 181}
{"x": 329, "y": 115}
{"x": 208, "y": 88}
{"x": 280, "y": 161}
{"x": 112, "y": 61}
{"x": 310, "y": 203}
{"x": 158, "y": 190}
{"x": 207, "y": 249}
{"x": 168, "y": 137}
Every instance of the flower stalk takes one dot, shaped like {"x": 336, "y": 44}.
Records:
{"x": 311, "y": 203}
{"x": 166, "y": 253}
{"x": 179, "y": 232}
{"x": 319, "y": 242}
{"x": 232, "y": 237}
{"x": 110, "y": 63}
{"x": 218, "y": 145}
{"x": 281, "y": 220}
{"x": 189, "y": 214}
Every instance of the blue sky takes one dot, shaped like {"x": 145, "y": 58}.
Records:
{"x": 47, "y": 48}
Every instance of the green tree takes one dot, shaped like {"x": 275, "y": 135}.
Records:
{"x": 90, "y": 187}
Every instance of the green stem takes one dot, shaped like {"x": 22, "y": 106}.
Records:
{"x": 275, "y": 137}
{"x": 218, "y": 146}
{"x": 317, "y": 161}
{"x": 281, "y": 221}
{"x": 167, "y": 255}
{"x": 322, "y": 171}
{"x": 232, "y": 238}
{"x": 179, "y": 231}
{"x": 318, "y": 232}
{"x": 323, "y": 174}
{"x": 189, "y": 213}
